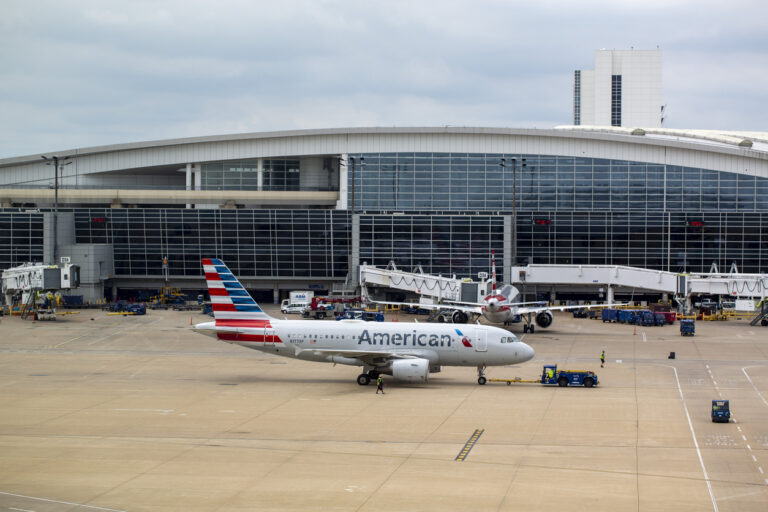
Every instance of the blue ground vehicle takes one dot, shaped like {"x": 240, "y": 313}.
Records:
{"x": 610, "y": 315}
{"x": 645, "y": 317}
{"x": 551, "y": 375}
{"x": 128, "y": 308}
{"x": 660, "y": 319}
{"x": 687, "y": 328}
{"x": 721, "y": 411}
{"x": 361, "y": 314}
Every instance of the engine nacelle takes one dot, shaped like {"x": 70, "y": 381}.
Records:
{"x": 459, "y": 317}
{"x": 411, "y": 370}
{"x": 544, "y": 319}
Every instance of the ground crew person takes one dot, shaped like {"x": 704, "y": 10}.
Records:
{"x": 602, "y": 359}
{"x": 380, "y": 385}
{"x": 550, "y": 373}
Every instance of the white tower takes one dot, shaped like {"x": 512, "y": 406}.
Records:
{"x": 624, "y": 89}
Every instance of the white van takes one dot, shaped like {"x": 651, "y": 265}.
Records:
{"x": 287, "y": 308}
{"x": 296, "y": 302}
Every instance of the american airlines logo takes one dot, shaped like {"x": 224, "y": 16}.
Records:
{"x": 414, "y": 339}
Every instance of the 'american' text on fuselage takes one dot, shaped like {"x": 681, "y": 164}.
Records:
{"x": 398, "y": 339}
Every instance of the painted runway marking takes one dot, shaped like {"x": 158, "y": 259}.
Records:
{"x": 744, "y": 370}
{"x": 760, "y": 469}
{"x": 469, "y": 445}
{"x": 21, "y": 509}
{"x": 65, "y": 342}
{"x": 754, "y": 458}
{"x": 164, "y": 411}
{"x": 695, "y": 442}
{"x": 64, "y": 502}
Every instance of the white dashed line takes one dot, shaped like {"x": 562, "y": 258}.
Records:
{"x": 760, "y": 469}
{"x": 749, "y": 448}
{"x": 754, "y": 458}
{"x": 62, "y": 502}
{"x": 744, "y": 438}
{"x": 695, "y": 442}
{"x": 744, "y": 370}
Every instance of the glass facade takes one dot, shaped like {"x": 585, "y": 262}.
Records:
{"x": 21, "y": 238}
{"x": 478, "y": 182}
{"x": 440, "y": 244}
{"x": 278, "y": 174}
{"x": 569, "y": 211}
{"x": 254, "y": 243}
{"x": 665, "y": 241}
{"x": 444, "y": 212}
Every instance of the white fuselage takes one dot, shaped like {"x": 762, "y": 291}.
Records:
{"x": 441, "y": 344}
{"x": 497, "y": 310}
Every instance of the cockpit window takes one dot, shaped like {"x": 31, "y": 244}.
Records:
{"x": 509, "y": 339}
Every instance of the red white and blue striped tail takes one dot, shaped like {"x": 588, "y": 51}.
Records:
{"x": 229, "y": 299}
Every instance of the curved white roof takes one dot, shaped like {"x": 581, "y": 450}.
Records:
{"x": 755, "y": 140}
{"x": 708, "y": 149}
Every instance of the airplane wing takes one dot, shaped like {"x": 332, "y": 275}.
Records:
{"x": 526, "y": 310}
{"x": 454, "y": 307}
{"x": 366, "y": 356}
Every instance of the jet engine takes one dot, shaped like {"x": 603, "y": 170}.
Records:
{"x": 459, "y": 317}
{"x": 544, "y": 319}
{"x": 411, "y": 370}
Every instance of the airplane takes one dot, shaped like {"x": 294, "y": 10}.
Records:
{"x": 407, "y": 351}
{"x": 498, "y": 308}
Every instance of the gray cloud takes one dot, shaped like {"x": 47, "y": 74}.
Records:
{"x": 84, "y": 73}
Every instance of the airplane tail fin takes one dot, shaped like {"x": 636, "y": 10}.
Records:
{"x": 230, "y": 300}
{"x": 493, "y": 271}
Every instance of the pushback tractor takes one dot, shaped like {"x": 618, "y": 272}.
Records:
{"x": 550, "y": 375}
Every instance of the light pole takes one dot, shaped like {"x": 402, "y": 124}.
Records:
{"x": 352, "y": 192}
{"x": 55, "y": 160}
{"x": 514, "y": 203}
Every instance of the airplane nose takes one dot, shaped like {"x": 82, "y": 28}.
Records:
{"x": 527, "y": 352}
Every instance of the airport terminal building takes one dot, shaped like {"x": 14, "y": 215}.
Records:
{"x": 303, "y": 209}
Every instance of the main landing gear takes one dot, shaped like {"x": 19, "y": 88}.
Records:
{"x": 365, "y": 378}
{"x": 529, "y": 326}
{"x": 481, "y": 375}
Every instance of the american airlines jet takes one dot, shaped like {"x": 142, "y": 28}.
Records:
{"x": 407, "y": 351}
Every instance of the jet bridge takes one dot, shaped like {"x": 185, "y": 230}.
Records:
{"x": 432, "y": 288}
{"x": 613, "y": 277}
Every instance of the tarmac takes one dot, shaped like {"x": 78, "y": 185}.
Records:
{"x": 138, "y": 413}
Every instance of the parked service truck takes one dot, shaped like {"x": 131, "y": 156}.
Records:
{"x": 297, "y": 301}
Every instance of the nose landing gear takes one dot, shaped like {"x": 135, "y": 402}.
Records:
{"x": 481, "y": 375}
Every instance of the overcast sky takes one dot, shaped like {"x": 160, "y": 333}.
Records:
{"x": 84, "y": 73}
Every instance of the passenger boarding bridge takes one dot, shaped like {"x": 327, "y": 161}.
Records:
{"x": 574, "y": 278}
{"x": 432, "y": 288}
{"x": 612, "y": 278}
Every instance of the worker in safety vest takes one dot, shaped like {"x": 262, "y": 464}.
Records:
{"x": 602, "y": 359}
{"x": 550, "y": 373}
{"x": 380, "y": 385}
